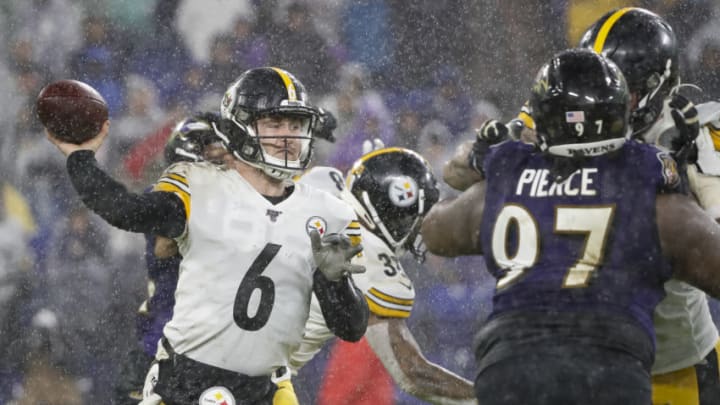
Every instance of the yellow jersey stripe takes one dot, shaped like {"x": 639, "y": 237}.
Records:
{"x": 389, "y": 298}
{"x": 606, "y": 27}
{"x": 182, "y": 186}
{"x": 177, "y": 177}
{"x": 172, "y": 188}
{"x": 380, "y": 310}
{"x": 355, "y": 240}
{"x": 292, "y": 93}
{"x": 715, "y": 137}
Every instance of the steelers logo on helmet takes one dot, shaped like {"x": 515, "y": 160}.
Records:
{"x": 403, "y": 191}
{"x": 391, "y": 190}
{"x": 316, "y": 224}
{"x": 261, "y": 93}
{"x": 217, "y": 396}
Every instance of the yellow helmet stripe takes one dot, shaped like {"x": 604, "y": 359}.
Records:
{"x": 292, "y": 94}
{"x": 358, "y": 167}
{"x": 381, "y": 152}
{"x": 607, "y": 26}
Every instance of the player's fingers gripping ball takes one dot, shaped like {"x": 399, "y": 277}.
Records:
{"x": 332, "y": 254}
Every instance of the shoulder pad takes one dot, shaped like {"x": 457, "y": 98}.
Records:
{"x": 325, "y": 178}
{"x": 708, "y": 112}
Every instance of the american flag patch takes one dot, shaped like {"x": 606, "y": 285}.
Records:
{"x": 574, "y": 116}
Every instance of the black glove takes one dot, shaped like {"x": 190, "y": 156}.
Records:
{"x": 685, "y": 115}
{"x": 326, "y": 126}
{"x": 491, "y": 132}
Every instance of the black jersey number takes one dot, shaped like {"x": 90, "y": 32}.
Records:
{"x": 388, "y": 262}
{"x": 255, "y": 280}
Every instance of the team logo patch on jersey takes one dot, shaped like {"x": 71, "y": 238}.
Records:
{"x": 316, "y": 223}
{"x": 669, "y": 169}
{"x": 217, "y": 396}
{"x": 403, "y": 191}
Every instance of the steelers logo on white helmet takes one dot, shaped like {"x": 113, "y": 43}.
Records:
{"x": 217, "y": 396}
{"x": 403, "y": 191}
{"x": 317, "y": 224}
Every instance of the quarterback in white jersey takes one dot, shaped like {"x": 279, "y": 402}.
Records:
{"x": 255, "y": 263}
{"x": 391, "y": 189}
{"x": 255, "y": 248}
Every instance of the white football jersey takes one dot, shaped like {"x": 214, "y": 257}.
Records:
{"x": 387, "y": 288}
{"x": 245, "y": 281}
{"x": 683, "y": 325}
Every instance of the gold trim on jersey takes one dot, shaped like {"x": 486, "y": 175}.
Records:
{"x": 353, "y": 232}
{"x": 381, "y": 310}
{"x": 171, "y": 186}
{"x": 606, "y": 27}
{"x": 178, "y": 177}
{"x": 677, "y": 387}
{"x": 715, "y": 137}
{"x": 389, "y": 298}
{"x": 386, "y": 305}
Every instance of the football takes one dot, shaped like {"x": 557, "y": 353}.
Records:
{"x": 71, "y": 110}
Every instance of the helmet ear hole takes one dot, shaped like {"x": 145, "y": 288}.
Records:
{"x": 250, "y": 149}
{"x": 653, "y": 81}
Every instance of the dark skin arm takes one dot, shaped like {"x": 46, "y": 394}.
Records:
{"x": 690, "y": 239}
{"x": 456, "y": 172}
{"x": 452, "y": 227}
{"x": 413, "y": 372}
{"x": 165, "y": 247}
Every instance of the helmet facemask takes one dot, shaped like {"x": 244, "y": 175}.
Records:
{"x": 254, "y": 151}
{"x": 268, "y": 94}
{"x": 656, "y": 89}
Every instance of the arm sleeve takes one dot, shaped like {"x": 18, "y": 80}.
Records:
{"x": 159, "y": 213}
{"x": 343, "y": 306}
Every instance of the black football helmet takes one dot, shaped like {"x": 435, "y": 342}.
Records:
{"x": 580, "y": 105}
{"x": 391, "y": 190}
{"x": 259, "y": 93}
{"x": 645, "y": 48}
{"x": 190, "y": 137}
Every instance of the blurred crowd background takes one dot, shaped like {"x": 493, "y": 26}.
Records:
{"x": 415, "y": 73}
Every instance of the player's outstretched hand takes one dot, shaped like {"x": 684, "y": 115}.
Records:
{"x": 685, "y": 115}
{"x": 490, "y": 133}
{"x": 332, "y": 254}
{"x": 370, "y": 145}
{"x": 92, "y": 144}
